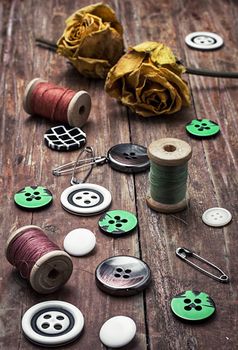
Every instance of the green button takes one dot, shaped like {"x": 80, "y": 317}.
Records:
{"x": 202, "y": 128}
{"x": 33, "y": 197}
{"x": 117, "y": 222}
{"x": 193, "y": 306}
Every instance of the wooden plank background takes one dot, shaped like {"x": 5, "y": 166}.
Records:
{"x": 213, "y": 174}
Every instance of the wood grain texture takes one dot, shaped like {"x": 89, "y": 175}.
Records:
{"x": 24, "y": 160}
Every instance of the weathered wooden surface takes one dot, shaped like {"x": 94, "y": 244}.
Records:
{"x": 213, "y": 174}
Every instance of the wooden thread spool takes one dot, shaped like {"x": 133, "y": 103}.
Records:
{"x": 50, "y": 271}
{"x": 77, "y": 111}
{"x": 172, "y": 154}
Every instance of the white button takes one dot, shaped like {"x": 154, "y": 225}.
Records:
{"x": 85, "y": 199}
{"x": 204, "y": 40}
{"x": 79, "y": 242}
{"x": 216, "y": 217}
{"x": 52, "y": 323}
{"x": 118, "y": 331}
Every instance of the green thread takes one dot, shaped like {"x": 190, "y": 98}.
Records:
{"x": 168, "y": 184}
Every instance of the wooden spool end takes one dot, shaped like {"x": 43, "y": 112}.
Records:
{"x": 28, "y": 92}
{"x": 78, "y": 108}
{"x": 168, "y": 152}
{"x": 50, "y": 271}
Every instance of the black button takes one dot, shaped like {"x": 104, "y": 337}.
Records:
{"x": 128, "y": 158}
{"x": 122, "y": 275}
{"x": 64, "y": 138}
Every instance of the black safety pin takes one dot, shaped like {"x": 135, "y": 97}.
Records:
{"x": 183, "y": 253}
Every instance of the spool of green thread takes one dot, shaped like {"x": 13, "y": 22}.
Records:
{"x": 168, "y": 174}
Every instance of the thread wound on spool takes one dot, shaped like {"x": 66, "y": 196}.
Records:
{"x": 168, "y": 174}
{"x": 56, "y": 103}
{"x": 38, "y": 259}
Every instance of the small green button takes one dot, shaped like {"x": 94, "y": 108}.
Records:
{"x": 117, "y": 222}
{"x": 33, "y": 197}
{"x": 193, "y": 306}
{"x": 202, "y": 128}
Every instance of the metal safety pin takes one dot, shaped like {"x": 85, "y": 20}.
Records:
{"x": 183, "y": 253}
{"x": 72, "y": 167}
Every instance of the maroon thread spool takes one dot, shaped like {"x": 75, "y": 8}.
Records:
{"x": 56, "y": 103}
{"x": 38, "y": 259}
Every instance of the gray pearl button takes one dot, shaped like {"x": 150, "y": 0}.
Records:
{"x": 128, "y": 158}
{"x": 122, "y": 275}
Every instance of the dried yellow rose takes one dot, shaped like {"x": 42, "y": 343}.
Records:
{"x": 92, "y": 40}
{"x": 148, "y": 80}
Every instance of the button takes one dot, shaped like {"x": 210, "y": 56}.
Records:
{"x": 33, "y": 197}
{"x": 85, "y": 199}
{"x": 216, "y": 217}
{"x": 117, "y": 223}
{"x": 64, "y": 138}
{"x": 204, "y": 40}
{"x": 193, "y": 306}
{"x": 52, "y": 323}
{"x": 202, "y": 127}
{"x": 128, "y": 158}
{"x": 122, "y": 275}
{"x": 118, "y": 331}
{"x": 79, "y": 242}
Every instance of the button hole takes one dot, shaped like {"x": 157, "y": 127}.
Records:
{"x": 45, "y": 325}
{"x": 187, "y": 308}
{"x": 198, "y": 301}
{"x": 126, "y": 276}
{"x": 119, "y": 269}
{"x": 198, "y": 308}
{"x": 187, "y": 301}
{"x": 117, "y": 275}
{"x": 57, "y": 326}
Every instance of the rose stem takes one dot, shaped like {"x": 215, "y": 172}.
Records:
{"x": 218, "y": 74}
{"x": 195, "y": 71}
{"x": 46, "y": 44}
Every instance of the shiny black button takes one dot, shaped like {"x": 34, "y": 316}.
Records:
{"x": 122, "y": 275}
{"x": 128, "y": 158}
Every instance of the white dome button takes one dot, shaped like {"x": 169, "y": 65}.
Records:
{"x": 79, "y": 242}
{"x": 118, "y": 331}
{"x": 216, "y": 217}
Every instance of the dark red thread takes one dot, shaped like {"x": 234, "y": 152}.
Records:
{"x": 51, "y": 101}
{"x": 27, "y": 248}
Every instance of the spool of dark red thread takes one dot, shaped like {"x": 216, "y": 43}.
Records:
{"x": 56, "y": 103}
{"x": 38, "y": 259}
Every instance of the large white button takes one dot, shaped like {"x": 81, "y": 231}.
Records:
{"x": 52, "y": 323}
{"x": 79, "y": 242}
{"x": 204, "y": 40}
{"x": 118, "y": 331}
{"x": 216, "y": 217}
{"x": 85, "y": 199}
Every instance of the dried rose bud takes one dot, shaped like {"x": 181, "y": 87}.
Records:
{"x": 92, "y": 40}
{"x": 148, "y": 80}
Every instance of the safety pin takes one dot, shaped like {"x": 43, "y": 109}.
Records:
{"x": 79, "y": 164}
{"x": 183, "y": 253}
